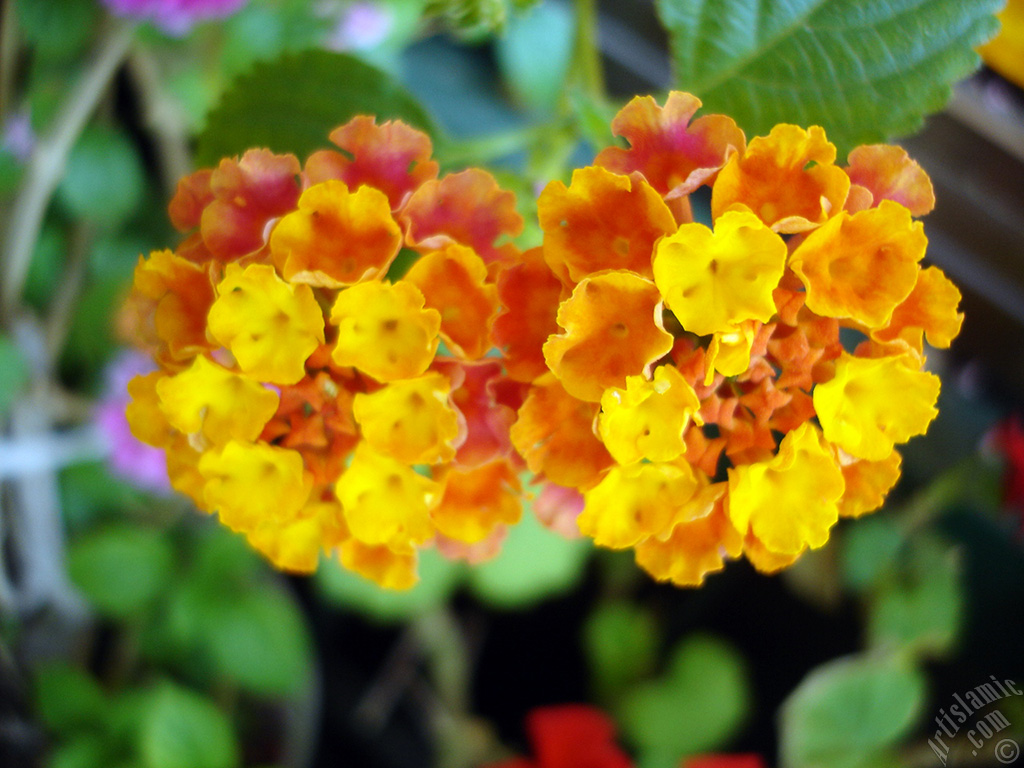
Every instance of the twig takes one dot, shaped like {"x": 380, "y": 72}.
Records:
{"x": 46, "y": 165}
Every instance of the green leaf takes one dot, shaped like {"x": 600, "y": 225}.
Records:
{"x": 68, "y": 698}
{"x": 104, "y": 181}
{"x": 292, "y": 103}
{"x": 537, "y": 81}
{"x": 845, "y": 714}
{"x": 46, "y": 267}
{"x": 261, "y": 642}
{"x": 90, "y": 340}
{"x": 438, "y": 579}
{"x": 181, "y": 729}
{"x": 865, "y": 70}
{"x": 869, "y": 550}
{"x": 14, "y": 373}
{"x": 700, "y": 702}
{"x": 121, "y": 568}
{"x": 57, "y": 28}
{"x": 534, "y": 564}
{"x": 921, "y": 605}
{"x": 621, "y": 643}
{"x": 86, "y": 751}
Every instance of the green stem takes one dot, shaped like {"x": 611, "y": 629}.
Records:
{"x": 46, "y": 165}
{"x": 586, "y": 57}
{"x": 8, "y": 56}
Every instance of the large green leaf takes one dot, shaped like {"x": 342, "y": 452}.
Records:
{"x": 292, "y": 103}
{"x": 866, "y": 70}
{"x": 849, "y": 712}
{"x": 181, "y": 729}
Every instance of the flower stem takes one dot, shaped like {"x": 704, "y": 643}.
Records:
{"x": 586, "y": 57}
{"x": 46, "y": 165}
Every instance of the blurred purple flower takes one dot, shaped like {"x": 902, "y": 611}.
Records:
{"x": 18, "y": 137}
{"x": 362, "y": 25}
{"x": 174, "y": 17}
{"x": 142, "y": 465}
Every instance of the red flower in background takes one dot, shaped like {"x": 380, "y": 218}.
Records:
{"x": 570, "y": 736}
{"x": 1008, "y": 439}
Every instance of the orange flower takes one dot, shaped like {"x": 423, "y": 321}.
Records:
{"x": 613, "y": 330}
{"x": 478, "y": 500}
{"x": 391, "y": 157}
{"x": 930, "y": 310}
{"x": 887, "y": 173}
{"x": 336, "y": 237}
{"x": 454, "y": 282}
{"x": 468, "y": 208}
{"x": 182, "y": 295}
{"x": 772, "y": 179}
{"x": 674, "y": 155}
{"x": 601, "y": 221}
{"x": 861, "y": 266}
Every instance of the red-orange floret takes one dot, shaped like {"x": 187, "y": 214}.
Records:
{"x": 248, "y": 193}
{"x": 674, "y": 155}
{"x": 468, "y": 208}
{"x": 392, "y": 157}
{"x": 529, "y": 293}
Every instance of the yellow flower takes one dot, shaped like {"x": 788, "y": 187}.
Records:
{"x": 254, "y": 484}
{"x": 270, "y": 327}
{"x": 729, "y": 351}
{"x": 410, "y": 420}
{"x": 384, "y": 330}
{"x": 791, "y": 501}
{"x": 145, "y": 419}
{"x": 714, "y": 280}
{"x": 386, "y": 502}
{"x": 220, "y": 404}
{"x": 634, "y": 502}
{"x": 647, "y": 419}
{"x": 861, "y": 266}
{"x": 874, "y": 403}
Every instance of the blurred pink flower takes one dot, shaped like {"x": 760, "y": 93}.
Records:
{"x": 141, "y": 465}
{"x": 362, "y": 25}
{"x": 174, "y": 17}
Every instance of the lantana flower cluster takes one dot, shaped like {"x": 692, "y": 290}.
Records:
{"x": 693, "y": 385}
{"x": 675, "y": 388}
{"x": 301, "y": 393}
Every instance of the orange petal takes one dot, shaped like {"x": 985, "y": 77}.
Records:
{"x": 555, "y": 435}
{"x": 336, "y": 237}
{"x": 392, "y": 157}
{"x": 529, "y": 294}
{"x": 868, "y": 483}
{"x": 692, "y": 550}
{"x": 861, "y": 266}
{"x": 454, "y": 282}
{"x": 674, "y": 155}
{"x": 191, "y": 196}
{"x": 613, "y": 330}
{"x": 487, "y": 420}
{"x": 468, "y": 208}
{"x": 602, "y": 220}
{"x": 930, "y": 310}
{"x": 248, "y": 194}
{"x": 889, "y": 174}
{"x": 772, "y": 179}
{"x": 478, "y": 500}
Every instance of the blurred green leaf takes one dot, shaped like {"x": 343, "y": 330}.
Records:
{"x": 46, "y": 267}
{"x": 10, "y": 172}
{"x": 90, "y": 340}
{"x": 181, "y": 729}
{"x": 89, "y": 491}
{"x": 845, "y": 714}
{"x": 104, "y": 181}
{"x": 260, "y": 641}
{"x": 438, "y": 579}
{"x": 68, "y": 698}
{"x": 115, "y": 256}
{"x": 58, "y": 28}
{"x": 537, "y": 81}
{"x": 865, "y": 70}
{"x": 292, "y": 103}
{"x": 262, "y": 31}
{"x": 88, "y": 750}
{"x": 621, "y": 642}
{"x": 920, "y": 605}
{"x": 869, "y": 548}
{"x": 699, "y": 703}
{"x": 534, "y": 564}
{"x": 121, "y": 568}
{"x": 14, "y": 373}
